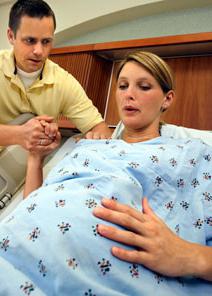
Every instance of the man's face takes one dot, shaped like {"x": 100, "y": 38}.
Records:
{"x": 32, "y": 43}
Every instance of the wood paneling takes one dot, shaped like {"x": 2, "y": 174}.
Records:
{"x": 112, "y": 116}
{"x": 193, "y": 104}
{"x": 78, "y": 64}
{"x": 116, "y": 48}
{"x": 98, "y": 82}
{"x": 93, "y": 73}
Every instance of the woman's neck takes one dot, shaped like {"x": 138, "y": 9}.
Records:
{"x": 135, "y": 136}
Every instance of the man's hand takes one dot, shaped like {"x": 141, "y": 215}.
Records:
{"x": 39, "y": 133}
{"x": 100, "y": 131}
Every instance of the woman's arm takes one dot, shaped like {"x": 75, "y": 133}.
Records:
{"x": 34, "y": 174}
{"x": 156, "y": 246}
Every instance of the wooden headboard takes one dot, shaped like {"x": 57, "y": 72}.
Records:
{"x": 189, "y": 55}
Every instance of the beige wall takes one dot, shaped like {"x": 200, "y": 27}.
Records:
{"x": 4, "y": 12}
{"x": 76, "y": 19}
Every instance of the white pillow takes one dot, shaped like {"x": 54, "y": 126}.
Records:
{"x": 171, "y": 130}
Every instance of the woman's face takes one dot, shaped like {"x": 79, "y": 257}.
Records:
{"x": 139, "y": 97}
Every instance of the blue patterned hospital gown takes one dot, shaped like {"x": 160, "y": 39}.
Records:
{"x": 50, "y": 246}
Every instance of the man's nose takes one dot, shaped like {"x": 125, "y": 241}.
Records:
{"x": 38, "y": 49}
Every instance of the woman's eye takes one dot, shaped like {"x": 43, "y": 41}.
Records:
{"x": 145, "y": 87}
{"x": 122, "y": 86}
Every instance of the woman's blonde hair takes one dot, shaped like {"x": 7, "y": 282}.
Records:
{"x": 156, "y": 66}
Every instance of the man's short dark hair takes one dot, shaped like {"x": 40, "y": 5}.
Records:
{"x": 31, "y": 8}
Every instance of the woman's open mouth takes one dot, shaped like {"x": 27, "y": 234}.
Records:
{"x": 130, "y": 110}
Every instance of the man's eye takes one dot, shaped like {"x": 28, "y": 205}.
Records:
{"x": 46, "y": 41}
{"x": 29, "y": 40}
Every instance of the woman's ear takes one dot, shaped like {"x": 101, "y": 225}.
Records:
{"x": 168, "y": 99}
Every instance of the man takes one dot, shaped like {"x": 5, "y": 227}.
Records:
{"x": 30, "y": 82}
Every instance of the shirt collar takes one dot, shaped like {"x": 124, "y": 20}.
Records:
{"x": 10, "y": 70}
{"x": 47, "y": 74}
{"x": 8, "y": 65}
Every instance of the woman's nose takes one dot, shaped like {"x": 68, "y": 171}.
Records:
{"x": 129, "y": 94}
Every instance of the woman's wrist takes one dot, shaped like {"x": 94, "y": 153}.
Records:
{"x": 35, "y": 160}
{"x": 203, "y": 262}
{"x": 198, "y": 261}
{"x": 34, "y": 175}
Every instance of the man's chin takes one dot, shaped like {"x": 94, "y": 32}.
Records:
{"x": 33, "y": 68}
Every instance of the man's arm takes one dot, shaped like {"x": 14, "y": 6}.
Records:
{"x": 10, "y": 135}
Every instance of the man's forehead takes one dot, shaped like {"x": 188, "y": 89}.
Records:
{"x": 28, "y": 22}
{"x": 36, "y": 27}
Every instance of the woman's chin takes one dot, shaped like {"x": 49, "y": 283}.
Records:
{"x": 131, "y": 124}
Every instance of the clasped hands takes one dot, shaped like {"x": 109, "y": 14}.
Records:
{"x": 155, "y": 245}
{"x": 40, "y": 134}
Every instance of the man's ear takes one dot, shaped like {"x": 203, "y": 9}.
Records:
{"x": 168, "y": 99}
{"x": 10, "y": 36}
